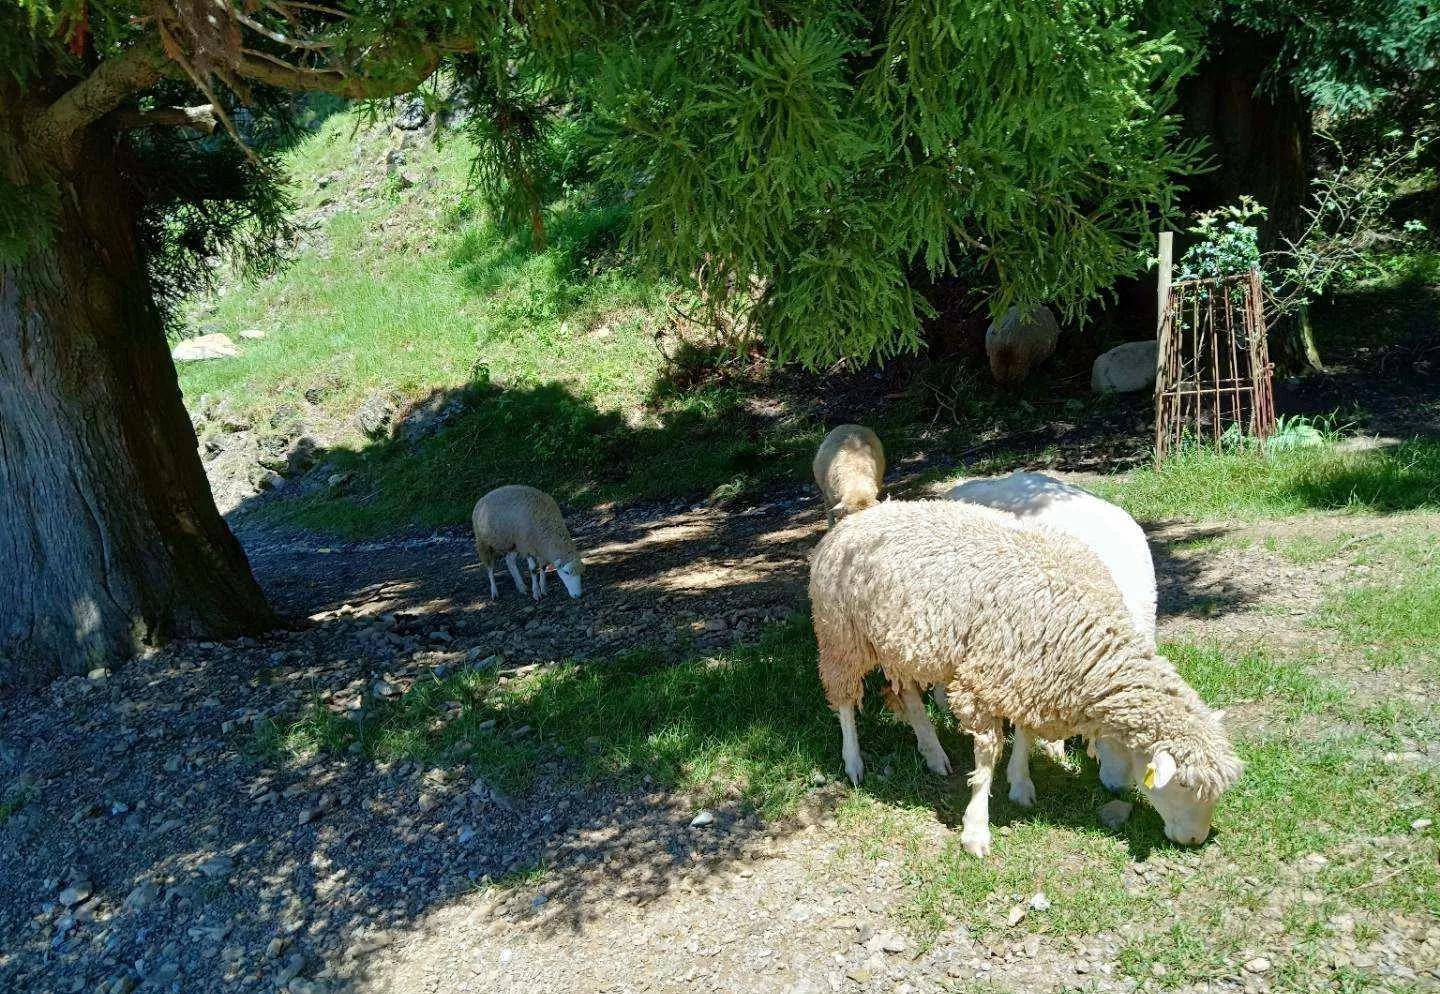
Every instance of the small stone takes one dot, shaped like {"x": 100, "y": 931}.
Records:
{"x": 1257, "y": 965}
{"x": 1016, "y": 913}
{"x": 217, "y": 866}
{"x": 97, "y": 674}
{"x": 252, "y": 333}
{"x": 466, "y": 834}
{"x": 141, "y": 897}
{"x": 892, "y": 943}
{"x": 1040, "y": 902}
{"x": 859, "y": 974}
{"x": 1115, "y": 813}
{"x": 277, "y": 947}
{"x": 1420, "y": 824}
{"x": 172, "y": 765}
{"x": 705, "y": 817}
{"x": 76, "y": 893}
{"x": 427, "y": 802}
{"x": 119, "y": 808}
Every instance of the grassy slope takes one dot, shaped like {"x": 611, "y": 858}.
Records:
{"x": 415, "y": 291}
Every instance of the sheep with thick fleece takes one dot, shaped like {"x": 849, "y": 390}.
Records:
{"x": 1019, "y": 624}
{"x": 520, "y": 522}
{"x": 849, "y": 469}
{"x": 1110, "y": 533}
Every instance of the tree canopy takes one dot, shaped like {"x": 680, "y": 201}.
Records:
{"x": 802, "y": 162}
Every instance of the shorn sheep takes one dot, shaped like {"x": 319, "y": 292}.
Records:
{"x": 1110, "y": 533}
{"x": 1019, "y": 624}
{"x": 849, "y": 470}
{"x": 520, "y": 522}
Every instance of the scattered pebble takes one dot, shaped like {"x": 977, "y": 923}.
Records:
{"x": 705, "y": 817}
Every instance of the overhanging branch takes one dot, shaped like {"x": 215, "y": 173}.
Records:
{"x": 101, "y": 92}
{"x": 200, "y": 118}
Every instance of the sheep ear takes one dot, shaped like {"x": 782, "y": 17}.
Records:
{"x": 1160, "y": 771}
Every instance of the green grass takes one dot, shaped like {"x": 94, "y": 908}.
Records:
{"x": 1395, "y": 618}
{"x": 1202, "y": 483}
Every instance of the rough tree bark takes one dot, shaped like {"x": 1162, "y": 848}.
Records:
{"x": 109, "y": 537}
{"x": 1259, "y": 132}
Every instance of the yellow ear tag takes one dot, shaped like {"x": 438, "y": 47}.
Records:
{"x": 1150, "y": 776}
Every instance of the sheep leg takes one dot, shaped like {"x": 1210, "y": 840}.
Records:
{"x": 1022, "y": 788}
{"x": 975, "y": 832}
{"x": 512, "y": 560}
{"x": 534, "y": 578}
{"x": 1055, "y": 749}
{"x": 850, "y": 743}
{"x": 1114, "y": 765}
{"x": 829, "y": 516}
{"x": 938, "y": 693}
{"x": 544, "y": 586}
{"x": 924, "y": 728}
{"x": 490, "y": 572}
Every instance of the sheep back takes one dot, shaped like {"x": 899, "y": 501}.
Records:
{"x": 953, "y": 593}
{"x": 521, "y": 519}
{"x": 849, "y": 467}
{"x": 1107, "y": 530}
{"x": 1016, "y": 344}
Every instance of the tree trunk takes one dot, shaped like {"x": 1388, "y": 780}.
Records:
{"x": 109, "y": 537}
{"x": 1258, "y": 132}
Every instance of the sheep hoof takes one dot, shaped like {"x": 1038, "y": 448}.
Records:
{"x": 1023, "y": 793}
{"x": 939, "y": 764}
{"x": 976, "y": 842}
{"x": 855, "y": 770}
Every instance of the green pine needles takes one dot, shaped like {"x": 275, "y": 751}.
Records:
{"x": 809, "y": 164}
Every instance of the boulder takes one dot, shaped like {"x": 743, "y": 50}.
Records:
{"x": 375, "y": 415}
{"x": 216, "y": 346}
{"x": 1126, "y": 368}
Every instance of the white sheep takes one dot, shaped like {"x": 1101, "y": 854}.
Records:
{"x": 1109, "y": 532}
{"x": 849, "y": 469}
{"x": 518, "y": 522}
{"x": 1016, "y": 344}
{"x": 1021, "y": 625}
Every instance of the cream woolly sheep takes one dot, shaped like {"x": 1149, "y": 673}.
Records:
{"x": 1110, "y": 533}
{"x": 1020, "y": 625}
{"x": 1015, "y": 345}
{"x": 521, "y": 522}
{"x": 849, "y": 470}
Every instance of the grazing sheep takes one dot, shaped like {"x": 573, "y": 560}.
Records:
{"x": 1110, "y": 533}
{"x": 521, "y": 522}
{"x": 849, "y": 470}
{"x": 1019, "y": 624}
{"x": 1015, "y": 345}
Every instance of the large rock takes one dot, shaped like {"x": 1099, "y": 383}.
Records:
{"x": 1125, "y": 368}
{"x": 375, "y": 415}
{"x": 1017, "y": 343}
{"x": 216, "y": 346}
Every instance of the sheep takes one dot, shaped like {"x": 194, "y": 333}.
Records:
{"x": 522, "y": 522}
{"x": 1014, "y": 344}
{"x": 1110, "y": 533}
{"x": 1019, "y": 624}
{"x": 849, "y": 469}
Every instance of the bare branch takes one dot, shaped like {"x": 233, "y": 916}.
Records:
{"x": 200, "y": 118}
{"x": 102, "y": 91}
{"x": 287, "y": 40}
